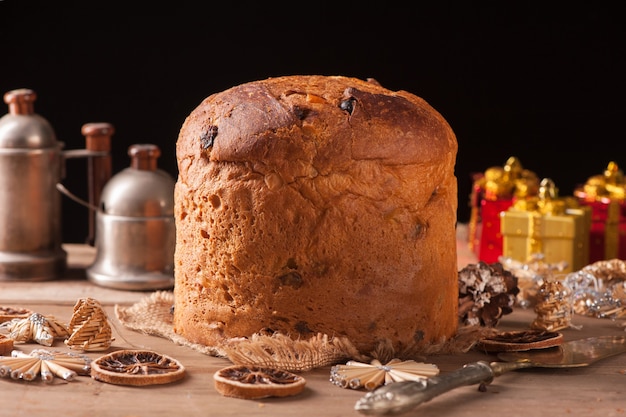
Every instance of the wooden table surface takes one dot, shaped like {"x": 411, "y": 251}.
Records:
{"x": 597, "y": 390}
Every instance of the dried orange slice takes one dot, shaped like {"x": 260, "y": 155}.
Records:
{"x": 136, "y": 367}
{"x": 6, "y": 345}
{"x": 10, "y": 313}
{"x": 251, "y": 382}
{"x": 520, "y": 341}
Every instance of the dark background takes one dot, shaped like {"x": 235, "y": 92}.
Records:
{"x": 543, "y": 83}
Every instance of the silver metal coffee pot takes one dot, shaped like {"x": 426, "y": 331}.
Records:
{"x": 135, "y": 230}
{"x": 31, "y": 164}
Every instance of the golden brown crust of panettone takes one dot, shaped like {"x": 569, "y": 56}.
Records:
{"x": 316, "y": 204}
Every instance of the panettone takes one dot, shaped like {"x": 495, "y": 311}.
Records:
{"x": 310, "y": 205}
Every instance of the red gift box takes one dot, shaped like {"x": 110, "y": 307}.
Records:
{"x": 487, "y": 243}
{"x": 493, "y": 193}
{"x": 605, "y": 195}
{"x": 607, "y": 235}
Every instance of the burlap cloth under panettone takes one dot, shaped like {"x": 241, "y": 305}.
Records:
{"x": 153, "y": 315}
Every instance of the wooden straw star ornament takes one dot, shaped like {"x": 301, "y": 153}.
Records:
{"x": 370, "y": 376}
{"x": 44, "y": 363}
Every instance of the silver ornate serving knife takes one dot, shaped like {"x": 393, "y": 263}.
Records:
{"x": 400, "y": 397}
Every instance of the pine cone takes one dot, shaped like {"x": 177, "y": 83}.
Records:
{"x": 486, "y": 293}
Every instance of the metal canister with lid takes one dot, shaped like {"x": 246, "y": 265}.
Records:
{"x": 31, "y": 165}
{"x": 135, "y": 230}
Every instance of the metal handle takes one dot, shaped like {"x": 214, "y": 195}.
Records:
{"x": 98, "y": 139}
{"x": 98, "y": 154}
{"x": 75, "y": 198}
{"x": 76, "y": 154}
{"x": 400, "y": 397}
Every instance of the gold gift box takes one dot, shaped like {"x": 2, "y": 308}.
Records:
{"x": 556, "y": 228}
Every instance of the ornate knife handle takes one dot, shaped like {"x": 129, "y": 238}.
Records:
{"x": 399, "y": 397}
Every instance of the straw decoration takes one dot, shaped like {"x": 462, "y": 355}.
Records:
{"x": 36, "y": 328}
{"x": 370, "y": 376}
{"x": 45, "y": 364}
{"x": 89, "y": 326}
{"x": 554, "y": 307}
